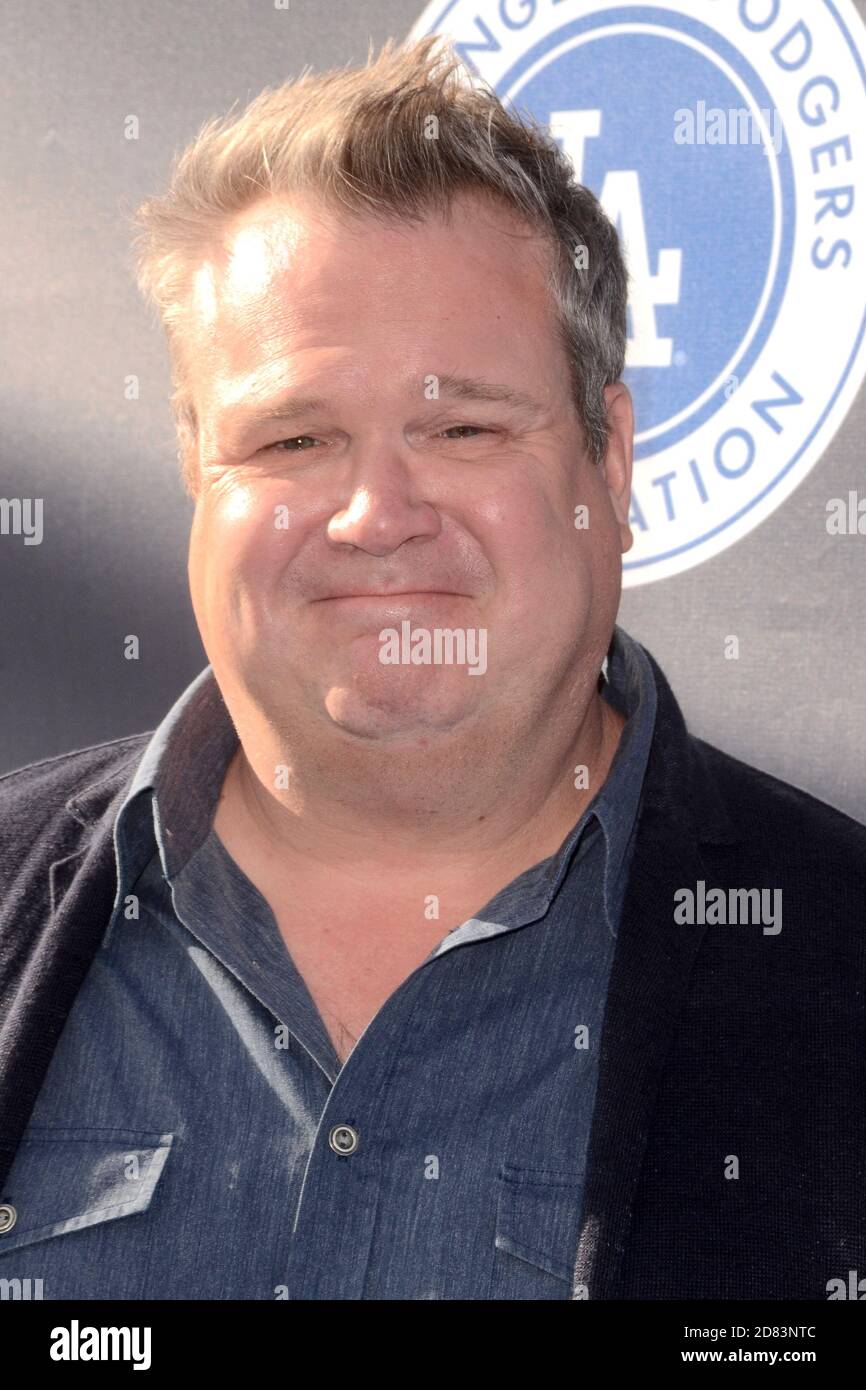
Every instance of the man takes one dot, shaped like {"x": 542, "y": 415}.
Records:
{"x": 384, "y": 968}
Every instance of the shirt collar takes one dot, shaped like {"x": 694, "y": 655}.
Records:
{"x": 630, "y": 687}
{"x": 170, "y": 802}
{"x": 627, "y": 683}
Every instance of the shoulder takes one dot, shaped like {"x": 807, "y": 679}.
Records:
{"x": 32, "y": 796}
{"x": 757, "y": 791}
{"x": 72, "y": 768}
{"x": 783, "y": 825}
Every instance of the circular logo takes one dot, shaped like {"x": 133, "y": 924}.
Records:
{"x": 724, "y": 139}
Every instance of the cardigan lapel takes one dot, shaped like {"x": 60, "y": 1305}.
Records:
{"x": 680, "y": 810}
{"x": 50, "y": 930}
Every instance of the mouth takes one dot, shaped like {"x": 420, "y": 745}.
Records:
{"x": 391, "y": 594}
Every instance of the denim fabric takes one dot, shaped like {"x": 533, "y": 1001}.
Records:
{"x": 179, "y": 1147}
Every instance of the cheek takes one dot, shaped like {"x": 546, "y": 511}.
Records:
{"x": 245, "y": 535}
{"x": 535, "y": 546}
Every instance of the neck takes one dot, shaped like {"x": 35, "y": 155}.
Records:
{"x": 442, "y": 820}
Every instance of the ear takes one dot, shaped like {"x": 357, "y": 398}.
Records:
{"x": 617, "y": 465}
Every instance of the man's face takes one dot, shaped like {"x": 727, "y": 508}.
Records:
{"x": 384, "y": 491}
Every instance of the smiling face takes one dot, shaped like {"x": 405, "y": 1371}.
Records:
{"x": 386, "y": 433}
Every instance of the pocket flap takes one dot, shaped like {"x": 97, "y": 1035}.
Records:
{"x": 538, "y": 1216}
{"x": 65, "y": 1179}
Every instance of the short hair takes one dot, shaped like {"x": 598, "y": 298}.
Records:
{"x": 359, "y": 139}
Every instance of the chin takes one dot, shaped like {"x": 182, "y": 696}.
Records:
{"x": 390, "y": 713}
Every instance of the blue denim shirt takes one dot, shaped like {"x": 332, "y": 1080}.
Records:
{"x": 196, "y": 1136}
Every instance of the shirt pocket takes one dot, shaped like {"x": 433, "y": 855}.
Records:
{"x": 538, "y": 1214}
{"x": 66, "y": 1180}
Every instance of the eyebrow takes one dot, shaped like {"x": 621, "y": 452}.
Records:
{"x": 450, "y": 385}
{"x": 471, "y": 388}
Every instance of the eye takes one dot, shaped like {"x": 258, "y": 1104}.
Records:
{"x": 295, "y": 439}
{"x": 478, "y": 429}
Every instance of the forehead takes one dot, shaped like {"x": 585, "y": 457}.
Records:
{"x": 256, "y": 249}
{"x": 293, "y": 280}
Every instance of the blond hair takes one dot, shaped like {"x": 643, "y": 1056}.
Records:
{"x": 360, "y": 139}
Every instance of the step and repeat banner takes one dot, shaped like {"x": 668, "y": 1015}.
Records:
{"x": 727, "y": 142}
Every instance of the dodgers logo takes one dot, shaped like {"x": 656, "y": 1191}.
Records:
{"x": 725, "y": 140}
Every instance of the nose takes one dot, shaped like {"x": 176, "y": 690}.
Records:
{"x": 383, "y": 510}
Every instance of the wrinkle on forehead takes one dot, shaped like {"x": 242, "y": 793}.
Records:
{"x": 253, "y": 254}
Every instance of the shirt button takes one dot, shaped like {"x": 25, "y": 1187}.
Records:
{"x": 8, "y": 1217}
{"x": 343, "y": 1139}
